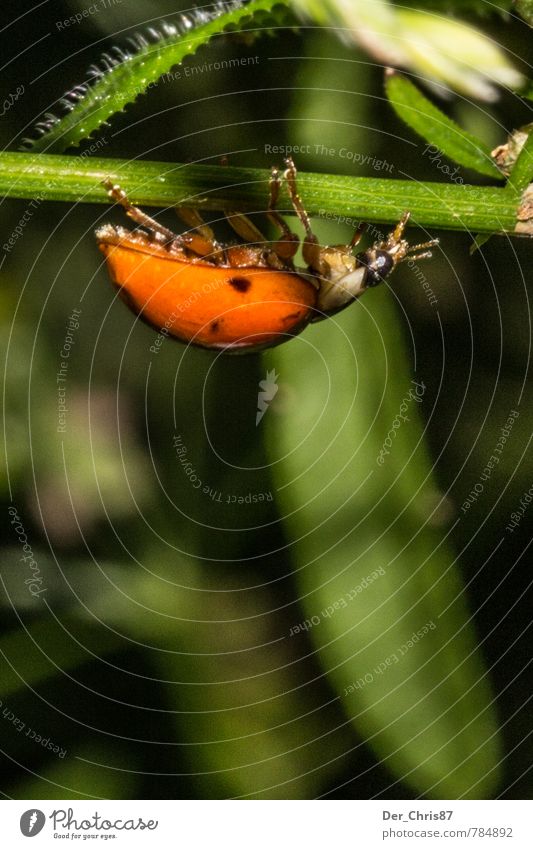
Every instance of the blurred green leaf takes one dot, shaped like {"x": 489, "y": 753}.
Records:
{"x": 47, "y": 648}
{"x": 436, "y": 128}
{"x": 82, "y": 479}
{"x": 248, "y": 713}
{"x": 79, "y": 777}
{"x": 252, "y": 719}
{"x": 528, "y": 90}
{"x": 15, "y": 461}
{"x": 380, "y": 588}
{"x": 525, "y": 8}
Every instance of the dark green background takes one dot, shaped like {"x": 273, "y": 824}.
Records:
{"x": 224, "y": 596}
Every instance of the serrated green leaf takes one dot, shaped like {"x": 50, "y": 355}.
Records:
{"x": 447, "y": 137}
{"x": 131, "y": 76}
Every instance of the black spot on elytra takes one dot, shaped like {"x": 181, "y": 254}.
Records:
{"x": 241, "y": 284}
{"x": 215, "y": 326}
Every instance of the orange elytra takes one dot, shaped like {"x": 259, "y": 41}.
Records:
{"x": 245, "y": 297}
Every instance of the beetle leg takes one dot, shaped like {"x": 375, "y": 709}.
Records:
{"x": 201, "y": 240}
{"x": 245, "y": 228}
{"x": 192, "y": 218}
{"x": 311, "y": 249}
{"x": 286, "y": 247}
{"x": 396, "y": 235}
{"x": 395, "y": 238}
{"x": 161, "y": 233}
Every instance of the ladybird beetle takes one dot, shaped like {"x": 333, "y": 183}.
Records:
{"x": 245, "y": 297}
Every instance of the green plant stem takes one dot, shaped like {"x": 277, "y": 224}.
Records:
{"x": 73, "y": 179}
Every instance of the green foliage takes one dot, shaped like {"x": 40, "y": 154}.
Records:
{"x": 438, "y": 129}
{"x": 234, "y": 698}
{"x": 65, "y": 779}
{"x": 47, "y": 649}
{"x": 271, "y": 737}
{"x": 449, "y": 54}
{"x": 363, "y": 506}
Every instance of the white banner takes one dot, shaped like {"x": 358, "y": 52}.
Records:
{"x": 268, "y": 824}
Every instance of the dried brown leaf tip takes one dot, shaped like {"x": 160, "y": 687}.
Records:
{"x": 505, "y": 155}
{"x": 524, "y": 214}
